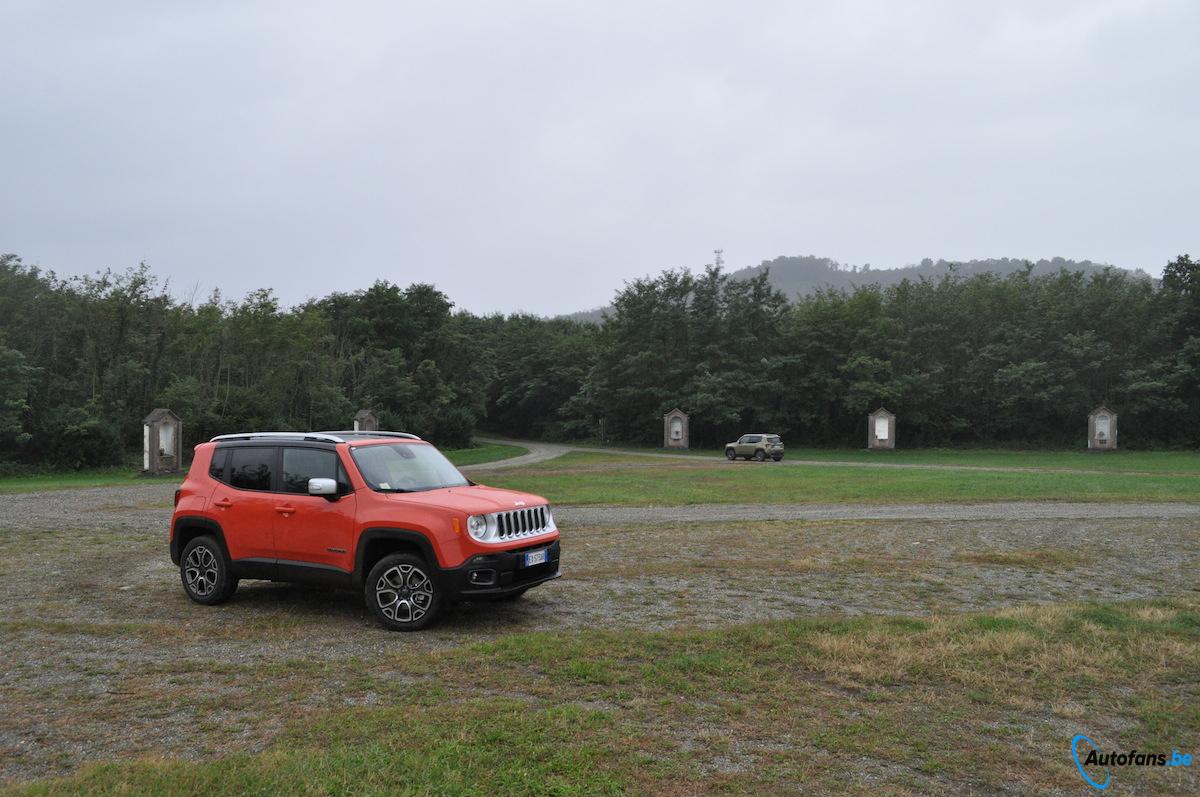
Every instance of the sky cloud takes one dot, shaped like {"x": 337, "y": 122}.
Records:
{"x": 534, "y": 156}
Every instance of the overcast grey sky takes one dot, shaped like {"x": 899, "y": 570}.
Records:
{"x": 535, "y": 155}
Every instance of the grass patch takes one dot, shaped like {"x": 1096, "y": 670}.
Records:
{"x": 484, "y": 452}
{"x": 476, "y": 747}
{"x": 1121, "y": 460}
{"x": 604, "y": 478}
{"x": 1126, "y": 461}
{"x": 93, "y": 477}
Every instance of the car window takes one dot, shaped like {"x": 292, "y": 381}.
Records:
{"x": 250, "y": 468}
{"x": 753, "y": 438}
{"x": 405, "y": 468}
{"x": 772, "y": 438}
{"x": 302, "y": 464}
{"x": 216, "y": 468}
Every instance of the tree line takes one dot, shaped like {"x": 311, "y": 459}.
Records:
{"x": 979, "y": 359}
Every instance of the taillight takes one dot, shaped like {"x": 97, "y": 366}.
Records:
{"x": 177, "y": 492}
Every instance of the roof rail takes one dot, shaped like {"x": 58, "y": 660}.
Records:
{"x": 322, "y": 437}
{"x": 365, "y": 433}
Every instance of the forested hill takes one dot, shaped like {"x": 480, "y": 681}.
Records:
{"x": 800, "y": 276}
{"x": 805, "y": 274}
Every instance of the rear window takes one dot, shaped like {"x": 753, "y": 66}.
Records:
{"x": 772, "y": 438}
{"x": 251, "y": 468}
{"x": 216, "y": 468}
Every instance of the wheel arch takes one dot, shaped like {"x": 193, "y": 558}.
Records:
{"x": 376, "y": 543}
{"x": 188, "y": 527}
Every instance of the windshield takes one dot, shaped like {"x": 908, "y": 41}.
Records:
{"x": 405, "y": 468}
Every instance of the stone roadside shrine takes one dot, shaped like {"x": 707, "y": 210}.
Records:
{"x": 881, "y": 430}
{"x": 162, "y": 442}
{"x": 365, "y": 421}
{"x": 675, "y": 429}
{"x": 1102, "y": 430}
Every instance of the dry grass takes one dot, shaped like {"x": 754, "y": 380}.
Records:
{"x": 1043, "y": 558}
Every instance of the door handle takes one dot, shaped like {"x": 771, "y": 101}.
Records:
{"x": 285, "y": 510}
{"x": 224, "y": 503}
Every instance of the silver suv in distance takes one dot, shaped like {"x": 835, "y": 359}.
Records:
{"x": 755, "y": 446}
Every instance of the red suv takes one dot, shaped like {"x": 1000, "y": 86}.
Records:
{"x": 381, "y": 512}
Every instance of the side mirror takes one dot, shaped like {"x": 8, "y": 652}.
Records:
{"x": 325, "y": 487}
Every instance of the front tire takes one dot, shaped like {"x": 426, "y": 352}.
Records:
{"x": 730, "y": 454}
{"x": 205, "y": 572}
{"x": 402, "y": 593}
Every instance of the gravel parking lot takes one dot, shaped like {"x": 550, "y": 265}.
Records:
{"x": 97, "y": 634}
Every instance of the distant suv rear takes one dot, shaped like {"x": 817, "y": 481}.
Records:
{"x": 755, "y": 446}
{"x": 383, "y": 513}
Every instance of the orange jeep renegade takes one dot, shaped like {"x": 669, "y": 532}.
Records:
{"x": 381, "y": 512}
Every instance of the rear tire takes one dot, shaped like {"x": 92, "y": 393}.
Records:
{"x": 760, "y": 455}
{"x": 205, "y": 572}
{"x": 402, "y": 593}
{"x": 778, "y": 458}
{"x": 730, "y": 455}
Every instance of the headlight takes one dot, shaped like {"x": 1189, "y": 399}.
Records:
{"x": 477, "y": 526}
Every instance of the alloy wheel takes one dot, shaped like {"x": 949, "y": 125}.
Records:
{"x": 404, "y": 593}
{"x": 200, "y": 571}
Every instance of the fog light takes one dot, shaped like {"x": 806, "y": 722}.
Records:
{"x": 482, "y": 577}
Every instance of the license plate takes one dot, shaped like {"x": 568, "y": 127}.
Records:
{"x": 536, "y": 557}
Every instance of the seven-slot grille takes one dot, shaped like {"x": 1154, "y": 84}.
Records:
{"x": 522, "y": 522}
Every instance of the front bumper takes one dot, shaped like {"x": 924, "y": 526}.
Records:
{"x": 501, "y": 573}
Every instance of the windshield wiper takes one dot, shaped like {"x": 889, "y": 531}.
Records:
{"x": 393, "y": 490}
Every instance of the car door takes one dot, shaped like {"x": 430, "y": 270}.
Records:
{"x": 313, "y": 529}
{"x": 746, "y": 449}
{"x": 244, "y": 504}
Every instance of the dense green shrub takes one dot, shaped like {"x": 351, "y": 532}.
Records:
{"x": 79, "y": 440}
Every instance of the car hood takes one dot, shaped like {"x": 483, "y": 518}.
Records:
{"x": 471, "y": 500}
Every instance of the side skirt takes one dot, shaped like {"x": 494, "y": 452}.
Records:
{"x": 295, "y": 572}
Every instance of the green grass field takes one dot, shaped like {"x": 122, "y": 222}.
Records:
{"x": 91, "y": 477}
{"x": 487, "y": 452}
{"x": 128, "y": 475}
{"x": 813, "y": 705}
{"x": 1131, "y": 461}
{"x": 606, "y": 478}
{"x": 1144, "y": 461}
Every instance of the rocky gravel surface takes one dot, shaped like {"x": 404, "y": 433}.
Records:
{"x": 147, "y": 507}
{"x": 538, "y": 452}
